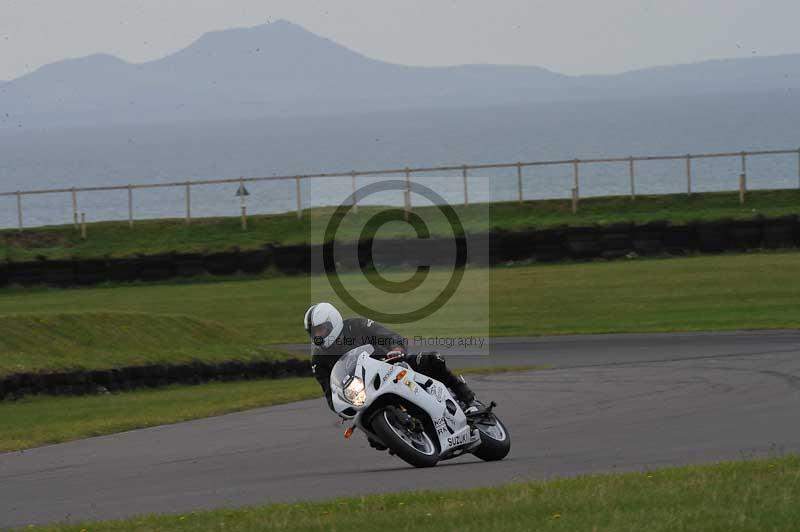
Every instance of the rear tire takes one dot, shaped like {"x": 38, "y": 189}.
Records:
{"x": 418, "y": 449}
{"x": 495, "y": 441}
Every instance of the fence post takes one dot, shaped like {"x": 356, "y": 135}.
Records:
{"x": 130, "y": 206}
{"x": 519, "y": 181}
{"x": 742, "y": 187}
{"x": 188, "y": 204}
{"x": 574, "y": 200}
{"x": 74, "y": 208}
{"x": 744, "y": 163}
{"x": 353, "y": 187}
{"x": 19, "y": 210}
{"x": 464, "y": 177}
{"x": 576, "y": 176}
{"x": 633, "y": 178}
{"x": 299, "y": 200}
{"x": 83, "y": 225}
{"x": 408, "y": 193}
{"x": 688, "y": 174}
{"x": 243, "y": 205}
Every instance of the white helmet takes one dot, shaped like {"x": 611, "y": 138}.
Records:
{"x": 323, "y": 323}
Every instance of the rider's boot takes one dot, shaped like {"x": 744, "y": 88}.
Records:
{"x": 434, "y": 364}
{"x": 465, "y": 394}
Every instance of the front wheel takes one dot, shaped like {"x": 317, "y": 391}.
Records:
{"x": 495, "y": 440}
{"x": 406, "y": 437}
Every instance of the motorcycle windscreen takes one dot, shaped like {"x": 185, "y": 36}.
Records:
{"x": 346, "y": 365}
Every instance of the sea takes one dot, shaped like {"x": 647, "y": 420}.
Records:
{"x": 120, "y": 154}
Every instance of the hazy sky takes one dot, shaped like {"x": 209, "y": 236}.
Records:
{"x": 570, "y": 36}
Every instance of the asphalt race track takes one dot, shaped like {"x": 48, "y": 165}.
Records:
{"x": 610, "y": 403}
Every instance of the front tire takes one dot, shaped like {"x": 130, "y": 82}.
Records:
{"x": 495, "y": 440}
{"x": 415, "y": 447}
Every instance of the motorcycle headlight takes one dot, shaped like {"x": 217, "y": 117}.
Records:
{"x": 354, "y": 392}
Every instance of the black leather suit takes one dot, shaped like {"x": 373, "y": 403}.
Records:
{"x": 361, "y": 331}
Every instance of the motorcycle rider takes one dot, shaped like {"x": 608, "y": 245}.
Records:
{"x": 332, "y": 337}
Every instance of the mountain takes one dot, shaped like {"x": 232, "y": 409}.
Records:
{"x": 282, "y": 69}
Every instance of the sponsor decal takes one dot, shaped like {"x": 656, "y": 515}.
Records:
{"x": 449, "y": 414}
{"x": 437, "y": 392}
{"x": 369, "y": 323}
{"x": 450, "y": 420}
{"x": 386, "y": 377}
{"x": 440, "y": 425}
{"x": 411, "y": 385}
{"x": 455, "y": 441}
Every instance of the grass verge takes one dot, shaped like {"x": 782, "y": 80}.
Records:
{"x": 35, "y": 421}
{"x": 116, "y": 239}
{"x": 47, "y": 342}
{"x": 730, "y": 496}
{"x": 724, "y": 292}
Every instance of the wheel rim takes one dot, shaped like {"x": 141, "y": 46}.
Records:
{"x": 495, "y": 431}
{"x": 420, "y": 442}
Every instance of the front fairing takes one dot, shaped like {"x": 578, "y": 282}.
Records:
{"x": 346, "y": 366}
{"x": 349, "y": 366}
{"x": 401, "y": 382}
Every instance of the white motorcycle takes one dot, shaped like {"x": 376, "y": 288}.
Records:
{"x": 410, "y": 414}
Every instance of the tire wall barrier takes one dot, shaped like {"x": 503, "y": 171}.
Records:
{"x": 137, "y": 377}
{"x": 546, "y": 245}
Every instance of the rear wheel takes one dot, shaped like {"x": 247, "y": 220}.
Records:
{"x": 495, "y": 441}
{"x": 406, "y": 437}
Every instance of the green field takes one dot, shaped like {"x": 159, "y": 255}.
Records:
{"x": 48, "y": 341}
{"x": 761, "y": 495}
{"x": 724, "y": 292}
{"x": 116, "y": 239}
{"x": 34, "y": 421}
{"x": 239, "y": 317}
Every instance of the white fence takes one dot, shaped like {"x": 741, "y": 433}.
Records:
{"x": 461, "y": 171}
